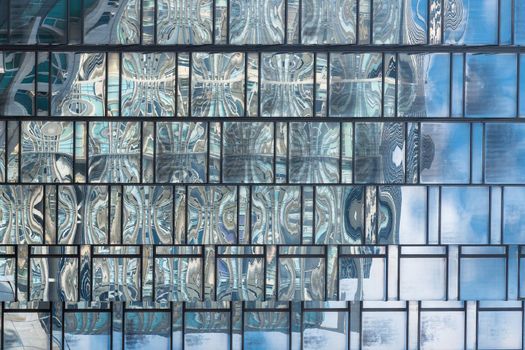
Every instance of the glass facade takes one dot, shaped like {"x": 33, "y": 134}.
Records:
{"x": 271, "y": 174}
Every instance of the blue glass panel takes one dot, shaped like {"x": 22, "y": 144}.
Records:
{"x": 490, "y": 88}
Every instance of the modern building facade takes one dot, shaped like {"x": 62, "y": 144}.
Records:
{"x": 262, "y": 174}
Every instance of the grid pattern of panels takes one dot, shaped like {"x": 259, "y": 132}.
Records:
{"x": 266, "y": 22}
{"x": 343, "y": 82}
{"x": 264, "y": 325}
{"x": 262, "y": 174}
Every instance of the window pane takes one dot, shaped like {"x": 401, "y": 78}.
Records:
{"x": 445, "y": 153}
{"x": 464, "y": 215}
{"x": 379, "y": 153}
{"x": 87, "y": 330}
{"x": 482, "y": 278}
{"x": 355, "y": 85}
{"x": 325, "y": 330}
{"x": 147, "y": 330}
{"x": 505, "y": 153}
{"x": 494, "y": 99}
{"x": 266, "y": 330}
{"x": 471, "y": 22}
{"x": 424, "y": 85}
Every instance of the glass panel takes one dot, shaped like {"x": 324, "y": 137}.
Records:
{"x": 17, "y": 88}
{"x": 423, "y": 278}
{"x": 114, "y": 152}
{"x": 324, "y": 23}
{"x": 181, "y": 152}
{"x": 441, "y": 330}
{"x": 112, "y": 22}
{"x": 87, "y": 330}
{"x": 54, "y": 279}
{"x": 217, "y": 85}
{"x": 116, "y": 279}
{"x": 339, "y": 214}
{"x": 414, "y": 20}
{"x": 386, "y": 20}
{"x": 78, "y": 84}
{"x": 494, "y": 100}
{"x": 147, "y": 330}
{"x": 184, "y": 22}
{"x": 355, "y": 85}
{"x": 142, "y": 92}
{"x": 445, "y": 153}
{"x": 47, "y": 151}
{"x": 325, "y": 330}
{"x": 424, "y": 85}
{"x": 147, "y": 215}
{"x": 500, "y": 329}
{"x": 301, "y": 278}
{"x": 248, "y": 152}
{"x": 40, "y": 22}
{"x": 266, "y": 330}
{"x": 7, "y": 279}
{"x": 514, "y": 215}
{"x": 403, "y": 214}
{"x": 504, "y": 153}
{"x": 212, "y": 214}
{"x": 287, "y": 84}
{"x": 362, "y": 278}
{"x": 257, "y": 23}
{"x": 471, "y": 22}
{"x": 178, "y": 278}
{"x": 206, "y": 330}
{"x": 464, "y": 215}
{"x": 314, "y": 152}
{"x": 21, "y": 221}
{"x": 379, "y": 153}
{"x": 18, "y": 325}
{"x": 482, "y": 278}
{"x": 275, "y": 215}
{"x": 383, "y": 330}
{"x": 240, "y": 278}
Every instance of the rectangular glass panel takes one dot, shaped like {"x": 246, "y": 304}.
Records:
{"x": 87, "y": 330}
{"x": 494, "y": 100}
{"x": 445, "y": 153}
{"x": 464, "y": 215}
{"x": 504, "y": 153}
